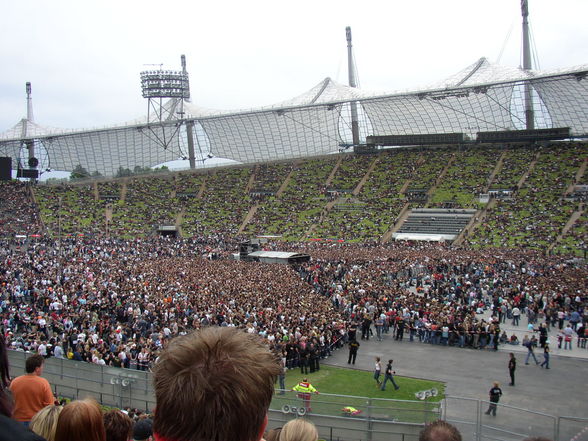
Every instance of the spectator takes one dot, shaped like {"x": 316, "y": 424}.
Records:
{"x": 143, "y": 430}
{"x": 44, "y": 422}
{"x": 80, "y": 420}
{"x": 11, "y": 429}
{"x": 494, "y": 396}
{"x": 214, "y": 384}
{"x": 31, "y": 392}
{"x": 440, "y": 431}
{"x": 298, "y": 430}
{"x": 118, "y": 426}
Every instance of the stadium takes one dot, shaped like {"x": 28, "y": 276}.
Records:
{"x": 429, "y": 218}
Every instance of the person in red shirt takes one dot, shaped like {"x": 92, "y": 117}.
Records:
{"x": 31, "y": 392}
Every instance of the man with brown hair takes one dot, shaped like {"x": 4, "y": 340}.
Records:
{"x": 118, "y": 426}
{"x": 440, "y": 431}
{"x": 31, "y": 392}
{"x": 214, "y": 384}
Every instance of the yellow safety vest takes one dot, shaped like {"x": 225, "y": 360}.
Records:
{"x": 303, "y": 387}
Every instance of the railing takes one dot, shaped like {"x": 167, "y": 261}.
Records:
{"x": 375, "y": 419}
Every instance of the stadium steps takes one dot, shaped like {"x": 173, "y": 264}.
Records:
{"x": 95, "y": 190}
{"x": 528, "y": 172}
{"x": 249, "y": 216}
{"x": 328, "y": 207}
{"x": 436, "y": 221}
{"x": 179, "y": 220}
{"x": 123, "y": 190}
{"x": 251, "y": 182}
{"x": 405, "y": 186}
{"x": 573, "y": 219}
{"x": 108, "y": 215}
{"x": 334, "y": 171}
{"x": 202, "y": 189}
{"x": 401, "y": 218}
{"x": 497, "y": 168}
{"x": 284, "y": 185}
{"x": 578, "y": 178}
{"x": 368, "y": 173}
{"x": 581, "y": 171}
{"x": 33, "y": 198}
{"x": 475, "y": 222}
{"x": 441, "y": 176}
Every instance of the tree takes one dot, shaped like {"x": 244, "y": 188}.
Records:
{"x": 79, "y": 172}
{"x": 123, "y": 172}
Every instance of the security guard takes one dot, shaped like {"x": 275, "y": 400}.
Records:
{"x": 305, "y": 390}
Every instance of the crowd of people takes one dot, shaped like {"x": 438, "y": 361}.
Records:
{"x": 216, "y": 383}
{"x": 118, "y": 303}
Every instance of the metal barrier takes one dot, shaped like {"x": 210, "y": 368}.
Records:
{"x": 110, "y": 386}
{"x": 375, "y": 419}
{"x": 351, "y": 418}
{"x": 511, "y": 424}
{"x": 572, "y": 428}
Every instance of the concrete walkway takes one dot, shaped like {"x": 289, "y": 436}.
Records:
{"x": 469, "y": 373}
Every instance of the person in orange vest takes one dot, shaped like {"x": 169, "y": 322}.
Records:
{"x": 305, "y": 391}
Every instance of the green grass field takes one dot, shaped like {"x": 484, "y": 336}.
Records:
{"x": 339, "y": 387}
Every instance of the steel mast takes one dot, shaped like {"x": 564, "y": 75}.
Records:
{"x": 527, "y": 65}
{"x": 30, "y": 143}
{"x": 352, "y": 83}
{"x": 189, "y": 125}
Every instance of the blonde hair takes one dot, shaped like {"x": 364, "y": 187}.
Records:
{"x": 44, "y": 422}
{"x": 299, "y": 430}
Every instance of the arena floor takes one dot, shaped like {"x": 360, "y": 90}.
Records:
{"x": 559, "y": 391}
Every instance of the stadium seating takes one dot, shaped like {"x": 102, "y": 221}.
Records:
{"x": 357, "y": 198}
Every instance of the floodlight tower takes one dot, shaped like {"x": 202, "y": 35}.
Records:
{"x": 166, "y": 91}
{"x": 527, "y": 65}
{"x": 29, "y": 144}
{"x": 352, "y": 83}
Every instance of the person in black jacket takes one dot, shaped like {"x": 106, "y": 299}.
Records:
{"x": 389, "y": 375}
{"x": 512, "y": 366}
{"x": 353, "y": 347}
{"x": 495, "y": 394}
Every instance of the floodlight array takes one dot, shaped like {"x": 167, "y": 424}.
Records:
{"x": 165, "y": 84}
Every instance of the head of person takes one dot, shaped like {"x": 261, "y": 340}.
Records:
{"x": 80, "y": 420}
{"x": 143, "y": 430}
{"x": 496, "y": 384}
{"x": 118, "y": 425}
{"x": 6, "y": 403}
{"x": 44, "y": 422}
{"x": 34, "y": 364}
{"x": 4, "y": 369}
{"x": 273, "y": 434}
{"x": 440, "y": 431}
{"x": 213, "y": 384}
{"x": 298, "y": 430}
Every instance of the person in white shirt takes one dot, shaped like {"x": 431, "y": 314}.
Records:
{"x": 516, "y": 315}
{"x": 42, "y": 349}
{"x": 58, "y": 350}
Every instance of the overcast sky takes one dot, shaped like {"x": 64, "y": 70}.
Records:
{"x": 83, "y": 58}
